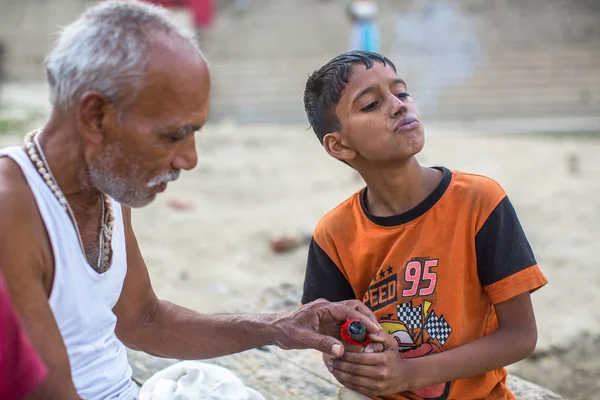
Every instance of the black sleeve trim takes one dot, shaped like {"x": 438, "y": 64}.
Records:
{"x": 323, "y": 278}
{"x": 501, "y": 245}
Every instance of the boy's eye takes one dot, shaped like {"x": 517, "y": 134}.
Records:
{"x": 370, "y": 106}
{"x": 402, "y": 95}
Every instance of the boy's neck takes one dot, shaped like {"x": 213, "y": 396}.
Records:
{"x": 396, "y": 190}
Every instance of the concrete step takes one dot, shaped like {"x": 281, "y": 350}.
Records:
{"x": 498, "y": 86}
{"x": 454, "y": 108}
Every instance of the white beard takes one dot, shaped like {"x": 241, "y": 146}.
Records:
{"x": 126, "y": 190}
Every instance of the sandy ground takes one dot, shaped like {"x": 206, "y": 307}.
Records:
{"x": 253, "y": 183}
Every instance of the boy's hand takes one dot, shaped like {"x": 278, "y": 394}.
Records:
{"x": 386, "y": 372}
{"x": 372, "y": 373}
{"x": 373, "y": 347}
{"x": 377, "y": 345}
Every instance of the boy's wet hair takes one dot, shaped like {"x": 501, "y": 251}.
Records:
{"x": 325, "y": 86}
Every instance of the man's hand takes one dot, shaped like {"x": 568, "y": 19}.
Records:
{"x": 372, "y": 372}
{"x": 317, "y": 325}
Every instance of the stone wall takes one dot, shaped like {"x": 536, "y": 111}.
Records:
{"x": 463, "y": 59}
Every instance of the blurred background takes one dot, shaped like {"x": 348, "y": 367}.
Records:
{"x": 509, "y": 89}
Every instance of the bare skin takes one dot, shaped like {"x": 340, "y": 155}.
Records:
{"x": 371, "y": 107}
{"x": 150, "y": 137}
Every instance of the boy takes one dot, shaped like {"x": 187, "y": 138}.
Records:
{"x": 439, "y": 256}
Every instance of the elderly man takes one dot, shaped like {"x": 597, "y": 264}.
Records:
{"x": 128, "y": 89}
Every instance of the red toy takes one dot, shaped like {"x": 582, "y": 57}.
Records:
{"x": 355, "y": 332}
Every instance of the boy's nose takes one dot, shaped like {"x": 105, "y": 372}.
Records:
{"x": 398, "y": 107}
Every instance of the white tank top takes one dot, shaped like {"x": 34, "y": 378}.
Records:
{"x": 82, "y": 299}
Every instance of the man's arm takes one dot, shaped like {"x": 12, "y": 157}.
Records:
{"x": 26, "y": 263}
{"x": 383, "y": 373}
{"x": 162, "y": 328}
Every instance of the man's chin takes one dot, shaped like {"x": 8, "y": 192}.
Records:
{"x": 138, "y": 202}
{"x": 144, "y": 203}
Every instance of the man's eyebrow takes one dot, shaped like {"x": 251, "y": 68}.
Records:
{"x": 371, "y": 88}
{"x": 184, "y": 130}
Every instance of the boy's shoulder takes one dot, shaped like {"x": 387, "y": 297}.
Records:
{"x": 475, "y": 195}
{"x": 476, "y": 186}
{"x": 342, "y": 218}
{"x": 468, "y": 191}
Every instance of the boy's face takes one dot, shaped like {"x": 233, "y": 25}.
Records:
{"x": 380, "y": 121}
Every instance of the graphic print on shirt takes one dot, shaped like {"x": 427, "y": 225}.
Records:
{"x": 416, "y": 326}
{"x": 382, "y": 290}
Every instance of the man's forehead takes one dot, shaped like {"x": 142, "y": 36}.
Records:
{"x": 170, "y": 112}
{"x": 168, "y": 48}
{"x": 173, "y": 60}
{"x": 175, "y": 83}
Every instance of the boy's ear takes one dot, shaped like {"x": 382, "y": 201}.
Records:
{"x": 337, "y": 147}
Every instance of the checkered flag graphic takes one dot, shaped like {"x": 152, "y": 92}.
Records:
{"x": 437, "y": 328}
{"x": 411, "y": 316}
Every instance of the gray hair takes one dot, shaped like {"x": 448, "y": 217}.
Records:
{"x": 107, "y": 50}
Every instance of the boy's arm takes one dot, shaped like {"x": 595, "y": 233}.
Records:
{"x": 377, "y": 374}
{"x": 324, "y": 279}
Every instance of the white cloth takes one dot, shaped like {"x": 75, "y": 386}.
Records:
{"x": 82, "y": 299}
{"x": 347, "y": 394}
{"x": 194, "y": 380}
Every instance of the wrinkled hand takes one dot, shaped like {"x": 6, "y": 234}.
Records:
{"x": 372, "y": 373}
{"x": 317, "y": 325}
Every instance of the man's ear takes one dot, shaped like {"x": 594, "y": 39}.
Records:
{"x": 337, "y": 147}
{"x": 95, "y": 116}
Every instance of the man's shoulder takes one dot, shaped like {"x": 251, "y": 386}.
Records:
{"x": 24, "y": 242}
{"x": 17, "y": 204}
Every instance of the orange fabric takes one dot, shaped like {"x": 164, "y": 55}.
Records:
{"x": 422, "y": 277}
{"x": 516, "y": 284}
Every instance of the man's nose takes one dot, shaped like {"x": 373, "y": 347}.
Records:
{"x": 187, "y": 157}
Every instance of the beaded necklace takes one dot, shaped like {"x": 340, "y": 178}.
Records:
{"x": 38, "y": 158}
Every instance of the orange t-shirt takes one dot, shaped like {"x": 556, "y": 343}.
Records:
{"x": 430, "y": 275}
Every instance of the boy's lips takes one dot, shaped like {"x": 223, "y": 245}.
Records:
{"x": 407, "y": 123}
